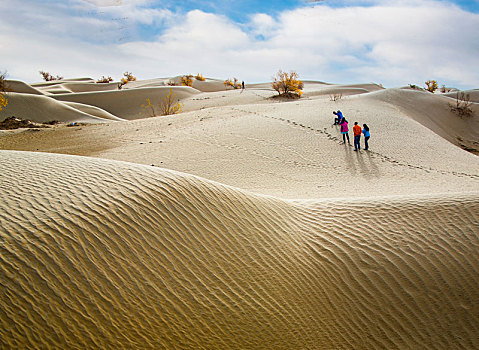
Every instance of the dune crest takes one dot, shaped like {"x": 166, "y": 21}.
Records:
{"x": 102, "y": 254}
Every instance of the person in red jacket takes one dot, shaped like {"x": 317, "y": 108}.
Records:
{"x": 357, "y": 136}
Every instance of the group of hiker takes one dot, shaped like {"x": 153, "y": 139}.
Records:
{"x": 357, "y": 131}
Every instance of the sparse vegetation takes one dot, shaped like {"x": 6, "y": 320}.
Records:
{"x": 104, "y": 79}
{"x": 431, "y": 85}
{"x": 288, "y": 84}
{"x": 187, "y": 80}
{"x": 232, "y": 83}
{"x": 48, "y": 77}
{"x": 200, "y": 77}
{"x": 444, "y": 89}
{"x": 462, "y": 107}
{"x": 336, "y": 97}
{"x": 170, "y": 83}
{"x": 127, "y": 77}
{"x": 3, "y": 89}
{"x": 414, "y": 87}
{"x": 3, "y": 102}
{"x": 169, "y": 105}
{"x": 3, "y": 83}
{"x": 148, "y": 108}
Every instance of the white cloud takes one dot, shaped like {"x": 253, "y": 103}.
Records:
{"x": 101, "y": 3}
{"x": 395, "y": 43}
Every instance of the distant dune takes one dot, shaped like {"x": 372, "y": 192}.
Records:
{"x": 104, "y": 254}
{"x": 41, "y": 108}
{"x": 126, "y": 103}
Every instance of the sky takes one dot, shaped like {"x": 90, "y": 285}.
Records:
{"x": 389, "y": 42}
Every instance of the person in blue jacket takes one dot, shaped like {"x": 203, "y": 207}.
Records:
{"x": 339, "y": 116}
{"x": 366, "y": 136}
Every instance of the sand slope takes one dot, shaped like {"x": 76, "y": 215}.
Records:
{"x": 20, "y": 86}
{"x": 105, "y": 254}
{"x": 285, "y": 148}
{"x": 433, "y": 111}
{"x": 126, "y": 103}
{"x": 473, "y": 94}
{"x": 40, "y": 108}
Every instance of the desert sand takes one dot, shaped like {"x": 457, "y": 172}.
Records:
{"x": 241, "y": 223}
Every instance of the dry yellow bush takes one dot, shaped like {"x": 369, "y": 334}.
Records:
{"x": 187, "y": 80}
{"x": 232, "y": 83}
{"x": 167, "y": 107}
{"x": 431, "y": 85}
{"x": 287, "y": 84}
{"x": 200, "y": 77}
{"x": 148, "y": 108}
{"x": 3, "y": 101}
{"x": 128, "y": 76}
{"x": 3, "y": 88}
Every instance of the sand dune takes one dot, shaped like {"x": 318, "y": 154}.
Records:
{"x": 434, "y": 112}
{"x": 92, "y": 110}
{"x": 288, "y": 149}
{"x": 20, "y": 86}
{"x": 87, "y": 87}
{"x": 370, "y": 250}
{"x": 126, "y": 103}
{"x": 40, "y": 108}
{"x": 473, "y": 94}
{"x": 104, "y": 254}
{"x": 61, "y": 81}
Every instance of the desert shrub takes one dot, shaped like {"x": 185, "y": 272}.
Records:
{"x": 104, "y": 79}
{"x": 431, "y": 85}
{"x": 3, "y": 82}
{"x": 462, "y": 106}
{"x": 187, "y": 80}
{"x": 3, "y": 89}
{"x": 127, "y": 77}
{"x": 232, "y": 83}
{"x": 171, "y": 83}
{"x": 148, "y": 108}
{"x": 3, "y": 101}
{"x": 415, "y": 87}
{"x": 48, "y": 77}
{"x": 200, "y": 77}
{"x": 287, "y": 84}
{"x": 445, "y": 89}
{"x": 169, "y": 105}
{"x": 228, "y": 82}
{"x": 335, "y": 97}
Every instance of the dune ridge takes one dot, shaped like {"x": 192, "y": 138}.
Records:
{"x": 41, "y": 108}
{"x": 434, "y": 112}
{"x": 99, "y": 253}
{"x": 126, "y": 103}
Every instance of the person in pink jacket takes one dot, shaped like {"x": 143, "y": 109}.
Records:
{"x": 344, "y": 130}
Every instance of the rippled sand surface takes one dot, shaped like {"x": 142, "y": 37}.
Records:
{"x": 103, "y": 254}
